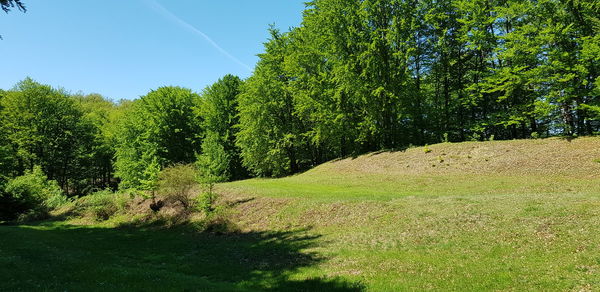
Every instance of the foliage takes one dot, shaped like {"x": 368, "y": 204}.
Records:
{"x": 7, "y": 5}
{"x": 269, "y": 135}
{"x": 162, "y": 128}
{"x": 213, "y": 163}
{"x": 30, "y": 193}
{"x": 102, "y": 205}
{"x": 99, "y": 115}
{"x": 44, "y": 126}
{"x": 8, "y": 159}
{"x": 361, "y": 76}
{"x": 219, "y": 114}
{"x": 176, "y": 183}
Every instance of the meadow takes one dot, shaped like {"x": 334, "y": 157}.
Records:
{"x": 516, "y": 215}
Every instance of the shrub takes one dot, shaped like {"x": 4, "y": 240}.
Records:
{"x": 535, "y": 135}
{"x": 176, "y": 183}
{"x": 102, "y": 205}
{"x": 206, "y": 201}
{"x": 217, "y": 221}
{"x": 426, "y": 149}
{"x": 32, "y": 194}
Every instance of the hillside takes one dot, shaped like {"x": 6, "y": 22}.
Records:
{"x": 554, "y": 156}
{"x": 495, "y": 167}
{"x": 501, "y": 215}
{"x": 517, "y": 215}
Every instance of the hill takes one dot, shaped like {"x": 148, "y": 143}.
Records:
{"x": 469, "y": 168}
{"x": 499, "y": 215}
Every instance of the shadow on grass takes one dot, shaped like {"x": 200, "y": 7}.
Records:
{"x": 54, "y": 256}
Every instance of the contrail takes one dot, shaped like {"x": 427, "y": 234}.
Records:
{"x": 168, "y": 14}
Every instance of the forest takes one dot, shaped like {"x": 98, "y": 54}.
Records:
{"x": 356, "y": 76}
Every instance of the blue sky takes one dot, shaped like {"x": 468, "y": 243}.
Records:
{"x": 124, "y": 48}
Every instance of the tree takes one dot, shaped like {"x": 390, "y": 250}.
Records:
{"x": 270, "y": 132}
{"x": 219, "y": 114}
{"x": 162, "y": 126}
{"x": 98, "y": 113}
{"x": 7, "y": 5}
{"x": 45, "y": 127}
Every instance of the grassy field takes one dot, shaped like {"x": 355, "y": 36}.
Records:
{"x": 501, "y": 215}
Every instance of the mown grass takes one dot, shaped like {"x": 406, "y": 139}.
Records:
{"x": 470, "y": 168}
{"x": 56, "y": 256}
{"x": 324, "y": 186}
{"x": 479, "y": 220}
{"x": 505, "y": 215}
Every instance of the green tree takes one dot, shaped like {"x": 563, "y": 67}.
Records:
{"x": 7, "y": 155}
{"x": 219, "y": 114}
{"x": 270, "y": 132}
{"x": 45, "y": 127}
{"x": 162, "y": 126}
{"x": 98, "y": 163}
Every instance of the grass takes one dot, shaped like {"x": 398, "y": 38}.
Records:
{"x": 504, "y": 215}
{"x": 57, "y": 256}
{"x": 466, "y": 169}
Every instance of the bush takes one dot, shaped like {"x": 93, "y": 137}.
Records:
{"x": 206, "y": 201}
{"x": 426, "y": 149}
{"x": 175, "y": 183}
{"x": 102, "y": 205}
{"x": 217, "y": 221}
{"x": 32, "y": 194}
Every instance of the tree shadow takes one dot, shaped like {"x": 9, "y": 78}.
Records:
{"x": 568, "y": 138}
{"x": 52, "y": 256}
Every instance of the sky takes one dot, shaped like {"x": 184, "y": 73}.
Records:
{"x": 124, "y": 48}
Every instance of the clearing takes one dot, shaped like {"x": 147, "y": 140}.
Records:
{"x": 500, "y": 215}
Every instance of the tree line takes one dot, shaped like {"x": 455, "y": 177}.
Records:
{"x": 365, "y": 75}
{"x": 356, "y": 76}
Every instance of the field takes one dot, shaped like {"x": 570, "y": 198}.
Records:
{"x": 518, "y": 215}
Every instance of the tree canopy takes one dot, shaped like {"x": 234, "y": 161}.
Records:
{"x": 7, "y": 5}
{"x": 159, "y": 128}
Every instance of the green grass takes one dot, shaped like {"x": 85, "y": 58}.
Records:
{"x": 479, "y": 220}
{"x": 524, "y": 242}
{"x": 324, "y": 186}
{"x": 59, "y": 257}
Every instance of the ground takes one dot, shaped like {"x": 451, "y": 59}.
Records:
{"x": 502, "y": 215}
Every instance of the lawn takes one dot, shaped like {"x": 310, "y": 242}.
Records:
{"x": 56, "y": 256}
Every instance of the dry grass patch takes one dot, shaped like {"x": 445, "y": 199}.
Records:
{"x": 554, "y": 156}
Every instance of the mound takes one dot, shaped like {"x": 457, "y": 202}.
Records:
{"x": 554, "y": 156}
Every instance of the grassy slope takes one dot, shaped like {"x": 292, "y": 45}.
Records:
{"x": 471, "y": 168}
{"x": 505, "y": 215}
